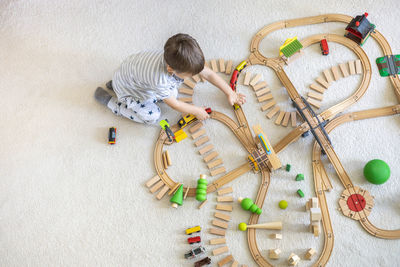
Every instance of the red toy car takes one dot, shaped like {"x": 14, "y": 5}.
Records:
{"x": 196, "y": 239}
{"x": 324, "y": 47}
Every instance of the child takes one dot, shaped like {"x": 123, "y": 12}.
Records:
{"x": 145, "y": 78}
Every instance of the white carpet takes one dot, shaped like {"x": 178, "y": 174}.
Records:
{"x": 67, "y": 198}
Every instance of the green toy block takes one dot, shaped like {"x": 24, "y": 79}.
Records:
{"x": 299, "y": 177}
{"x": 177, "y": 199}
{"x": 300, "y": 193}
{"x": 288, "y": 166}
{"x": 201, "y": 190}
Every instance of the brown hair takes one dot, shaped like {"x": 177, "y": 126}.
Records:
{"x": 183, "y": 54}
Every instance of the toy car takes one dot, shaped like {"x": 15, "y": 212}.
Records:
{"x": 202, "y": 262}
{"x": 112, "y": 135}
{"x": 195, "y": 252}
{"x": 324, "y": 47}
{"x": 195, "y": 239}
{"x": 188, "y": 119}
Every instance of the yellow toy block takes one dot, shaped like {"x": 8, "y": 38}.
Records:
{"x": 180, "y": 135}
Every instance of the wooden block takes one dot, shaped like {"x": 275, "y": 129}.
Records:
{"x": 225, "y": 199}
{"x": 156, "y": 186}
{"x": 286, "y": 118}
{"x": 274, "y": 253}
{"x": 255, "y": 80}
{"x": 210, "y": 156}
{"x": 344, "y": 70}
{"x": 317, "y": 88}
{"x": 293, "y": 117}
{"x": 219, "y": 251}
{"x": 198, "y": 133}
{"x": 186, "y": 91}
{"x": 229, "y": 67}
{"x": 196, "y": 78}
{"x": 221, "y": 65}
{"x": 316, "y": 229}
{"x": 165, "y": 163}
{"x": 162, "y": 192}
{"x": 265, "y": 97}
{"x": 224, "y": 191}
{"x": 220, "y": 224}
{"x": 235, "y": 264}
{"x": 222, "y": 216}
{"x": 173, "y": 189}
{"x": 214, "y": 65}
{"x": 328, "y": 76}
{"x": 263, "y": 91}
{"x": 152, "y": 181}
{"x": 218, "y": 171}
{"x": 201, "y": 141}
{"x": 310, "y": 253}
{"x": 216, "y": 231}
{"x": 202, "y": 204}
{"x": 315, "y": 214}
{"x": 280, "y": 117}
{"x": 215, "y": 163}
{"x": 272, "y": 112}
{"x": 314, "y": 102}
{"x": 315, "y": 95}
{"x": 293, "y": 259}
{"x": 335, "y": 71}
{"x": 225, "y": 260}
{"x": 186, "y": 192}
{"x": 168, "y": 157}
{"x": 189, "y": 83}
{"x": 218, "y": 241}
{"x": 247, "y": 77}
{"x": 314, "y": 202}
{"x": 352, "y": 67}
{"x": 205, "y": 149}
{"x": 224, "y": 207}
{"x": 260, "y": 85}
{"x": 358, "y": 66}
{"x": 195, "y": 127}
{"x": 268, "y": 105}
{"x": 322, "y": 81}
{"x": 276, "y": 236}
{"x": 185, "y": 99}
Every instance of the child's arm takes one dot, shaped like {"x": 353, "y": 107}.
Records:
{"x": 212, "y": 77}
{"x": 183, "y": 107}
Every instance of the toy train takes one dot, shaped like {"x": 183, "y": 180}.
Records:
{"x": 188, "y": 119}
{"x": 235, "y": 76}
{"x": 192, "y": 230}
{"x": 205, "y": 261}
{"x": 195, "y": 239}
{"x": 195, "y": 252}
{"x": 264, "y": 144}
{"x": 112, "y": 132}
{"x": 324, "y": 47}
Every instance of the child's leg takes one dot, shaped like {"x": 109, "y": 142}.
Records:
{"x": 139, "y": 111}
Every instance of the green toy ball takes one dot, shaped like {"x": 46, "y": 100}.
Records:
{"x": 376, "y": 171}
{"x": 242, "y": 226}
{"x": 283, "y": 204}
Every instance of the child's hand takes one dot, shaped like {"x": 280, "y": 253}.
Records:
{"x": 201, "y": 113}
{"x": 236, "y": 98}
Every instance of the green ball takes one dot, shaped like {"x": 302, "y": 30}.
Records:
{"x": 283, "y": 204}
{"x": 376, "y": 171}
{"x": 242, "y": 226}
{"x": 246, "y": 203}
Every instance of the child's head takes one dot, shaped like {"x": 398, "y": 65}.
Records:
{"x": 183, "y": 55}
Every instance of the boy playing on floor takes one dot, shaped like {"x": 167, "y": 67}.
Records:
{"x": 145, "y": 78}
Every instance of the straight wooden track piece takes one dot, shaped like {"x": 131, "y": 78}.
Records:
{"x": 314, "y": 102}
{"x": 225, "y": 199}
{"x": 352, "y": 67}
{"x": 286, "y": 118}
{"x": 293, "y": 117}
{"x": 218, "y": 171}
{"x": 219, "y": 223}
{"x": 186, "y": 91}
{"x": 164, "y": 158}
{"x": 280, "y": 117}
{"x": 214, "y": 66}
{"x": 201, "y": 141}
{"x": 315, "y": 95}
{"x": 317, "y": 87}
{"x": 168, "y": 157}
{"x": 328, "y": 76}
{"x": 162, "y": 192}
{"x": 205, "y": 149}
{"x": 322, "y": 81}
{"x": 335, "y": 71}
{"x": 255, "y": 80}
{"x": 221, "y": 65}
{"x": 222, "y": 216}
{"x": 173, "y": 189}
{"x": 272, "y": 112}
{"x": 216, "y": 231}
{"x": 358, "y": 66}
{"x": 152, "y": 181}
{"x": 202, "y": 204}
{"x": 260, "y": 85}
{"x": 189, "y": 83}
{"x": 225, "y": 260}
{"x": 186, "y": 99}
{"x": 228, "y": 67}
{"x": 214, "y": 163}
{"x": 247, "y": 77}
{"x": 224, "y": 191}
{"x": 235, "y": 264}
{"x": 344, "y": 70}
{"x": 186, "y": 192}
{"x": 265, "y": 97}
{"x": 195, "y": 127}
{"x": 157, "y": 186}
{"x": 263, "y": 91}
{"x": 268, "y": 105}
{"x": 218, "y": 241}
{"x": 224, "y": 207}
{"x": 219, "y": 251}
{"x": 196, "y": 78}
{"x": 210, "y": 156}
{"x": 198, "y": 133}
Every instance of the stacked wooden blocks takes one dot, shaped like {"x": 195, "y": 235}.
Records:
{"x": 315, "y": 215}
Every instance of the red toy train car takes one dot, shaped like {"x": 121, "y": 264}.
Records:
{"x": 195, "y": 239}
{"x": 324, "y": 47}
